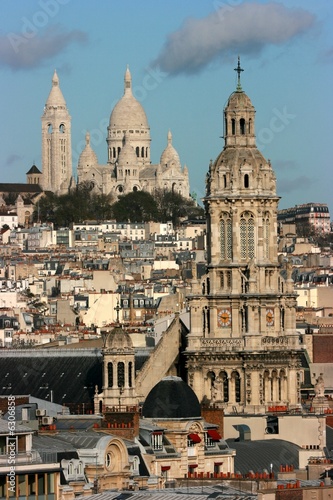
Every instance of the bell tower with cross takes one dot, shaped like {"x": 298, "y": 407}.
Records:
{"x": 243, "y": 349}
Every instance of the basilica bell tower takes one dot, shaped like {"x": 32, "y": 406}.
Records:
{"x": 243, "y": 350}
{"x": 56, "y": 142}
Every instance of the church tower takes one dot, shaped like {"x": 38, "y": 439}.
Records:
{"x": 56, "y": 142}
{"x": 243, "y": 350}
{"x": 118, "y": 372}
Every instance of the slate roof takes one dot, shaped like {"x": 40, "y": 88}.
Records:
{"x": 258, "y": 455}
{"x": 7, "y": 187}
{"x": 70, "y": 375}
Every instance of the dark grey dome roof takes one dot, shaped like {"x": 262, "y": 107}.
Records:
{"x": 171, "y": 398}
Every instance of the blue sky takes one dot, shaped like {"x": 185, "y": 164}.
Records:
{"x": 181, "y": 54}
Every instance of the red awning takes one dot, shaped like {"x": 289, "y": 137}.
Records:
{"x": 157, "y": 433}
{"x": 192, "y": 466}
{"x": 212, "y": 433}
{"x": 195, "y": 438}
{"x": 165, "y": 467}
{"x": 218, "y": 463}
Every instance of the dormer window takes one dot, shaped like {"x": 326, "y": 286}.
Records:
{"x": 211, "y": 438}
{"x": 193, "y": 439}
{"x": 157, "y": 440}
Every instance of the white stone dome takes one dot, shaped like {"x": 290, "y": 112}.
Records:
{"x": 88, "y": 156}
{"x": 170, "y": 157}
{"x": 128, "y": 113}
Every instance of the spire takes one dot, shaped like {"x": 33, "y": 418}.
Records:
{"x": 55, "y": 79}
{"x": 239, "y": 70}
{"x": 87, "y": 139}
{"x": 128, "y": 81}
{"x": 55, "y": 97}
{"x": 169, "y": 137}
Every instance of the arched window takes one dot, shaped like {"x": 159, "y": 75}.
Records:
{"x": 110, "y": 375}
{"x": 236, "y": 378}
{"x": 121, "y": 374}
{"x": 266, "y": 232}
{"x": 49, "y": 128}
{"x": 250, "y": 125}
{"x": 242, "y": 126}
{"x": 224, "y": 180}
{"x": 233, "y": 126}
{"x": 246, "y": 181}
{"x": 225, "y": 237}
{"x": 130, "y": 364}
{"x": 114, "y": 152}
{"x": 223, "y": 376}
{"x": 62, "y": 128}
{"x": 247, "y": 243}
{"x": 142, "y": 152}
{"x": 137, "y": 150}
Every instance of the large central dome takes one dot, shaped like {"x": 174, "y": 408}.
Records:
{"x": 128, "y": 114}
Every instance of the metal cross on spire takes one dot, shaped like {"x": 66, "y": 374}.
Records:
{"x": 239, "y": 70}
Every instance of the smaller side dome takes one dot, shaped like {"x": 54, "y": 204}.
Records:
{"x": 239, "y": 100}
{"x": 88, "y": 156}
{"x": 171, "y": 398}
{"x": 118, "y": 339}
{"x": 170, "y": 157}
{"x": 127, "y": 154}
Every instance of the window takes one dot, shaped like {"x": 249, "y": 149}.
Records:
{"x": 130, "y": 364}
{"x": 110, "y": 375}
{"x": 108, "y": 460}
{"x": 242, "y": 126}
{"x": 233, "y": 126}
{"x": 225, "y": 237}
{"x": 246, "y": 180}
{"x": 247, "y": 236}
{"x": 121, "y": 374}
{"x": 266, "y": 230}
{"x": 157, "y": 440}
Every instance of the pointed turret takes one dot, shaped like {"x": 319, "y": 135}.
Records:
{"x": 55, "y": 98}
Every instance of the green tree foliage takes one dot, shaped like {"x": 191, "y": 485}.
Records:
{"x": 138, "y": 206}
{"x": 173, "y": 206}
{"x": 83, "y": 204}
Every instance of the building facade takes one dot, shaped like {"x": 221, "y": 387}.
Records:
{"x": 243, "y": 350}
{"x": 316, "y": 215}
{"x": 128, "y": 166}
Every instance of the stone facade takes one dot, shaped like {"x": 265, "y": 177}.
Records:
{"x": 128, "y": 167}
{"x": 243, "y": 350}
{"x": 56, "y": 142}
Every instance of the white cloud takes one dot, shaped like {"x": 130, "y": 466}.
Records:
{"x": 245, "y": 28}
{"x": 30, "y": 49}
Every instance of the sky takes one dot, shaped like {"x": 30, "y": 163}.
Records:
{"x": 182, "y": 55}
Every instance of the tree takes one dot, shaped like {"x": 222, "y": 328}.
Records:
{"x": 173, "y": 206}
{"x": 138, "y": 206}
